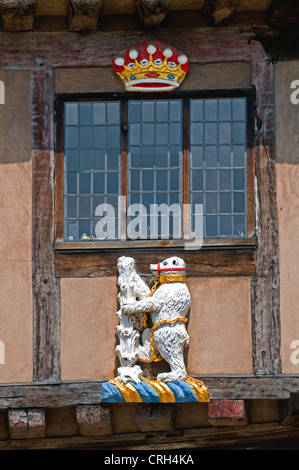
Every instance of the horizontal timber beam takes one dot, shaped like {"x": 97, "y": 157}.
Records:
{"x": 230, "y": 262}
{"x": 230, "y": 387}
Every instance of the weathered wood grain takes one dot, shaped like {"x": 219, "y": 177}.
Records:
{"x": 199, "y": 263}
{"x": 216, "y": 11}
{"x": 46, "y": 291}
{"x": 265, "y": 282}
{"x": 84, "y": 15}
{"x": 151, "y": 13}
{"x": 17, "y": 15}
{"x": 231, "y": 387}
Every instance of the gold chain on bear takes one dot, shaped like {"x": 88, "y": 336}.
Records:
{"x": 161, "y": 280}
{"x": 154, "y": 328}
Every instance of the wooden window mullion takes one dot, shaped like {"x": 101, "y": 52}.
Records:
{"x": 186, "y": 168}
{"x": 124, "y": 169}
{"x": 59, "y": 170}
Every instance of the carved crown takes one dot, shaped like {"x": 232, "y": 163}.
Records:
{"x": 151, "y": 66}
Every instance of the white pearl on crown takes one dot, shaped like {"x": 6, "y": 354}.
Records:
{"x": 182, "y": 59}
{"x": 133, "y": 54}
{"x": 167, "y": 52}
{"x": 119, "y": 61}
{"x": 151, "y": 49}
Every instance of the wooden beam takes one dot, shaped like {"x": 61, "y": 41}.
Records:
{"x": 221, "y": 387}
{"x": 84, "y": 15}
{"x": 17, "y": 15}
{"x": 200, "y": 263}
{"x": 265, "y": 282}
{"x": 216, "y": 11}
{"x": 291, "y": 410}
{"x": 151, "y": 13}
{"x": 46, "y": 289}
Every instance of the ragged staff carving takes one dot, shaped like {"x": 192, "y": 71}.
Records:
{"x": 129, "y": 350}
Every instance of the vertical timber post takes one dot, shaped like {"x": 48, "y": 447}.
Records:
{"x": 46, "y": 288}
{"x": 265, "y": 282}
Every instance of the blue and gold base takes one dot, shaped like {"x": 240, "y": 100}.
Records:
{"x": 152, "y": 391}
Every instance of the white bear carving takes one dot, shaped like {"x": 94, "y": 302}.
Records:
{"x": 168, "y": 307}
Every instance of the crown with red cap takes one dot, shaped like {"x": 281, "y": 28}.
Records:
{"x": 151, "y": 66}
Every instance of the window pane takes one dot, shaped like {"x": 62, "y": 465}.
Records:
{"x": 225, "y": 225}
{"x": 84, "y": 207}
{"x": 196, "y": 110}
{"x": 225, "y": 203}
{"x": 148, "y": 111}
{"x": 211, "y": 203}
{"x": 239, "y": 109}
{"x": 161, "y": 180}
{"x": 162, "y": 111}
{"x": 135, "y": 112}
{"x": 224, "y": 110}
{"x": 85, "y": 159}
{"x": 196, "y": 156}
{"x": 99, "y": 113}
{"x": 239, "y": 202}
{"x": 85, "y": 137}
{"x": 211, "y": 180}
{"x": 85, "y": 114}
{"x": 84, "y": 183}
{"x": 71, "y": 185}
{"x": 71, "y": 113}
{"x": 72, "y": 160}
{"x": 211, "y": 156}
{"x": 113, "y": 113}
{"x": 99, "y": 157}
{"x": 99, "y": 183}
{"x": 210, "y": 110}
{"x": 196, "y": 133}
{"x": 71, "y": 211}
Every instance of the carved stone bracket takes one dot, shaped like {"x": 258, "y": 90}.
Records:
{"x": 151, "y": 13}
{"x": 17, "y": 15}
{"x": 84, "y": 15}
{"x": 216, "y": 11}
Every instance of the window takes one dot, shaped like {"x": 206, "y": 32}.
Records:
{"x": 129, "y": 165}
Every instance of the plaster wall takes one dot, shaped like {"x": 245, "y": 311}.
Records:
{"x": 287, "y": 140}
{"x": 219, "y": 327}
{"x": 15, "y": 228}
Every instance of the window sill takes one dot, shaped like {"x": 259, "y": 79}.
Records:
{"x": 99, "y": 259}
{"x": 87, "y": 245}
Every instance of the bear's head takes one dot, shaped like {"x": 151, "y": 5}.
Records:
{"x": 169, "y": 265}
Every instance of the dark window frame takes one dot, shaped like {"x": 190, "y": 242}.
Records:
{"x": 185, "y": 96}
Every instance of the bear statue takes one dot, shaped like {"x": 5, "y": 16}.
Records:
{"x": 168, "y": 305}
